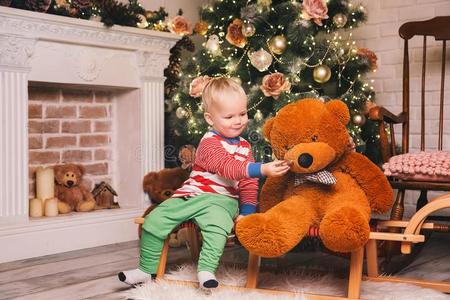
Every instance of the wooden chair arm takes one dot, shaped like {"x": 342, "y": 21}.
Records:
{"x": 379, "y": 113}
{"x": 139, "y": 220}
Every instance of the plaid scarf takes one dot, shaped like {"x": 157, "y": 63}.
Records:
{"x": 323, "y": 177}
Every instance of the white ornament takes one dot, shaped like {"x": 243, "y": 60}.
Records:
{"x": 181, "y": 113}
{"x": 258, "y": 116}
{"x": 261, "y": 59}
{"x": 213, "y": 45}
{"x": 142, "y": 22}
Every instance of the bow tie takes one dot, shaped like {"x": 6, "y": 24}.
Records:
{"x": 323, "y": 177}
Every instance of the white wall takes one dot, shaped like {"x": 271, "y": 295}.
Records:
{"x": 190, "y": 7}
{"x": 380, "y": 33}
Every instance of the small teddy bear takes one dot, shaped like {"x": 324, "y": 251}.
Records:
{"x": 161, "y": 185}
{"x": 71, "y": 193}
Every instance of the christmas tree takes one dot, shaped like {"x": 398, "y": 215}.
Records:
{"x": 280, "y": 51}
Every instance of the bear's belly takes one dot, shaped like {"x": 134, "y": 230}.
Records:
{"x": 345, "y": 192}
{"x": 72, "y": 196}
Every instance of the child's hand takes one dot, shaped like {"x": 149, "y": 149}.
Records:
{"x": 238, "y": 218}
{"x": 275, "y": 168}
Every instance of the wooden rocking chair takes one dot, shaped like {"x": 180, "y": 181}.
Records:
{"x": 439, "y": 28}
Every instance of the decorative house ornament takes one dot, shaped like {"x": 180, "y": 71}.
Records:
{"x": 104, "y": 196}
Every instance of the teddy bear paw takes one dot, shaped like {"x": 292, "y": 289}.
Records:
{"x": 344, "y": 230}
{"x": 264, "y": 236}
{"x": 86, "y": 206}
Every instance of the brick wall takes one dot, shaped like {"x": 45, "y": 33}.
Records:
{"x": 380, "y": 33}
{"x": 70, "y": 126}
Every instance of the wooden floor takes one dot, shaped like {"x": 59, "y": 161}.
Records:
{"x": 92, "y": 273}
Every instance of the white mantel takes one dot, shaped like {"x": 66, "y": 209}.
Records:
{"x": 56, "y": 50}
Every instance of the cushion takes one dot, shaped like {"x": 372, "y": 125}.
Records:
{"x": 420, "y": 166}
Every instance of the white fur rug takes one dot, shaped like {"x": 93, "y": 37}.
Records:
{"x": 297, "y": 281}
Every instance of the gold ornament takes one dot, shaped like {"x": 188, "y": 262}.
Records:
{"x": 340, "y": 20}
{"x": 149, "y": 14}
{"x": 237, "y": 80}
{"x": 261, "y": 59}
{"x": 278, "y": 44}
{"x": 181, "y": 113}
{"x": 248, "y": 29}
{"x": 359, "y": 120}
{"x": 142, "y": 21}
{"x": 322, "y": 73}
{"x": 201, "y": 28}
{"x": 213, "y": 45}
{"x": 258, "y": 116}
{"x": 168, "y": 106}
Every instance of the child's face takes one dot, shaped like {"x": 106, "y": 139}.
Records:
{"x": 228, "y": 118}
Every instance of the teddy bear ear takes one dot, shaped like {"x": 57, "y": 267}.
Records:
{"x": 267, "y": 128}
{"x": 339, "y": 108}
{"x": 148, "y": 181}
{"x": 58, "y": 173}
{"x": 81, "y": 169}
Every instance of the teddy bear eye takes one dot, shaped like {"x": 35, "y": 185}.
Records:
{"x": 314, "y": 138}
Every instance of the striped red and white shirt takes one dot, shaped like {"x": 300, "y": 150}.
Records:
{"x": 224, "y": 166}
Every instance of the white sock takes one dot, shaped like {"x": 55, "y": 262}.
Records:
{"x": 207, "y": 279}
{"x": 134, "y": 276}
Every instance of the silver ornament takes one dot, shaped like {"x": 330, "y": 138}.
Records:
{"x": 261, "y": 60}
{"x": 339, "y": 20}
{"x": 248, "y": 29}
{"x": 359, "y": 119}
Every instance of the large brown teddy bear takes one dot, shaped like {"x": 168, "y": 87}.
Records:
{"x": 70, "y": 191}
{"x": 328, "y": 186}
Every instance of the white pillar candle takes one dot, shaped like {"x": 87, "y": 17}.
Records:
{"x": 36, "y": 208}
{"x": 45, "y": 183}
{"x": 51, "y": 207}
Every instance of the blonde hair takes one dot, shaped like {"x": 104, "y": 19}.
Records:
{"x": 216, "y": 90}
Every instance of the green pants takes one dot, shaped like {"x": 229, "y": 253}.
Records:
{"x": 213, "y": 213}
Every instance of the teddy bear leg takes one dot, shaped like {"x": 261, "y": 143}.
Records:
{"x": 278, "y": 230}
{"x": 86, "y": 206}
{"x": 344, "y": 229}
{"x": 63, "y": 208}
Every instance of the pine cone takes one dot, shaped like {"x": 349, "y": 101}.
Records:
{"x": 5, "y": 2}
{"x": 37, "y": 5}
{"x": 113, "y": 12}
{"x": 80, "y": 4}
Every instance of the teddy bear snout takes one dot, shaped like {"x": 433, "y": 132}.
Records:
{"x": 310, "y": 157}
{"x": 70, "y": 183}
{"x": 305, "y": 160}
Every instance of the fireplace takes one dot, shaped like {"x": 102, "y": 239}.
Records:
{"x": 74, "y": 91}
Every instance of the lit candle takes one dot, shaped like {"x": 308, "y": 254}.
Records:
{"x": 36, "y": 208}
{"x": 51, "y": 207}
{"x": 45, "y": 183}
